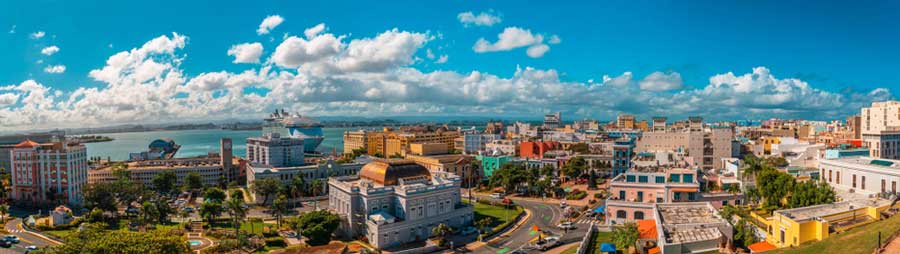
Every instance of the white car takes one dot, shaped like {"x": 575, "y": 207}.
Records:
{"x": 496, "y": 195}
{"x": 563, "y": 204}
{"x": 566, "y": 225}
{"x": 31, "y": 247}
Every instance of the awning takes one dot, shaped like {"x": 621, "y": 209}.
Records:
{"x": 608, "y": 247}
{"x": 684, "y": 190}
{"x": 600, "y": 209}
{"x": 654, "y": 250}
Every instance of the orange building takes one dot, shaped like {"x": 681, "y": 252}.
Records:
{"x": 536, "y": 150}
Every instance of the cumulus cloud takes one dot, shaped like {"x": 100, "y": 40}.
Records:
{"x": 659, "y": 81}
{"x": 482, "y": 19}
{"x": 512, "y": 38}
{"x": 374, "y": 76}
{"x": 38, "y": 35}
{"x": 442, "y": 59}
{"x": 313, "y": 31}
{"x": 55, "y": 69}
{"x": 268, "y": 24}
{"x": 554, "y": 39}
{"x": 50, "y": 50}
{"x": 246, "y": 52}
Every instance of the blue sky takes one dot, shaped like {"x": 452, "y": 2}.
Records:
{"x": 834, "y": 57}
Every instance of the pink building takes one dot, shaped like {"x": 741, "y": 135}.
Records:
{"x": 49, "y": 173}
{"x": 634, "y": 193}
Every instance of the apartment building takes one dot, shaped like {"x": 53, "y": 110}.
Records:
{"x": 209, "y": 168}
{"x": 881, "y": 129}
{"x": 707, "y": 146}
{"x": 865, "y": 175}
{"x": 48, "y": 173}
{"x": 634, "y": 193}
{"x": 458, "y": 164}
{"x": 475, "y": 143}
{"x": 354, "y": 140}
{"x": 276, "y": 151}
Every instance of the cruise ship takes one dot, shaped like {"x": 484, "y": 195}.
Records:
{"x": 295, "y": 125}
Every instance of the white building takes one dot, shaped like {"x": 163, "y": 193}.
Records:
{"x": 863, "y": 175}
{"x": 881, "y": 129}
{"x": 276, "y": 151}
{"x": 309, "y": 173}
{"x": 393, "y": 202}
{"x": 49, "y": 173}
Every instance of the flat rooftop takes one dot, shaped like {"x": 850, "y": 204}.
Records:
{"x": 695, "y": 234}
{"x": 869, "y": 161}
{"x": 688, "y": 213}
{"x": 824, "y": 210}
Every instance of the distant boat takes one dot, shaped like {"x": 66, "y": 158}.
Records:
{"x": 295, "y": 125}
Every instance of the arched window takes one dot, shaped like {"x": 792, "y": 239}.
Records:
{"x": 638, "y": 215}
{"x": 621, "y": 214}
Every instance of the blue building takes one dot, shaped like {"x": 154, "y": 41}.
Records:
{"x": 623, "y": 149}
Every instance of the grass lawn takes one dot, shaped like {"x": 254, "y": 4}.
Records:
{"x": 498, "y": 214}
{"x": 600, "y": 238}
{"x": 61, "y": 234}
{"x": 256, "y": 226}
{"x": 858, "y": 240}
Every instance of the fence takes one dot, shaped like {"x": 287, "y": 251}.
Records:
{"x": 586, "y": 242}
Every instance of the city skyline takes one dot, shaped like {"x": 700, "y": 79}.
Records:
{"x": 94, "y": 64}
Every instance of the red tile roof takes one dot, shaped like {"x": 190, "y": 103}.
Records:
{"x": 761, "y": 247}
{"x": 27, "y": 144}
{"x": 647, "y": 229}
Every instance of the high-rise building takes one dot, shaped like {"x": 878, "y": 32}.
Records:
{"x": 552, "y": 121}
{"x": 475, "y": 143}
{"x": 49, "y": 173}
{"x": 8, "y": 142}
{"x": 659, "y": 124}
{"x": 625, "y": 121}
{"x": 354, "y": 140}
{"x": 226, "y": 159}
{"x": 881, "y": 129}
{"x": 854, "y": 123}
{"x": 275, "y": 150}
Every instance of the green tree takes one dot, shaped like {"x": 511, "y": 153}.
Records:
{"x": 482, "y": 224}
{"x": 297, "y": 186}
{"x": 266, "y": 187}
{"x": 279, "y": 208}
{"x": 625, "y": 235}
{"x": 102, "y": 196}
{"x": 743, "y": 234}
{"x": 237, "y": 193}
{"x": 210, "y": 210}
{"x": 95, "y": 240}
{"x": 237, "y": 210}
{"x": 193, "y": 181}
{"x": 149, "y": 212}
{"x": 440, "y": 233}
{"x": 811, "y": 193}
{"x": 315, "y": 189}
{"x": 214, "y": 193}
{"x": 575, "y": 167}
{"x": 164, "y": 182}
{"x": 4, "y": 210}
{"x": 317, "y": 226}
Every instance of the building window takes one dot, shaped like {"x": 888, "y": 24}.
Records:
{"x": 622, "y": 195}
{"x": 829, "y": 175}
{"x": 642, "y": 179}
{"x": 688, "y": 178}
{"x": 621, "y": 214}
{"x": 638, "y": 215}
{"x": 675, "y": 178}
{"x": 863, "y": 182}
{"x": 854, "y": 181}
{"x": 692, "y": 196}
{"x": 676, "y": 196}
{"x": 629, "y": 178}
{"x": 883, "y": 185}
{"x": 660, "y": 179}
{"x": 894, "y": 186}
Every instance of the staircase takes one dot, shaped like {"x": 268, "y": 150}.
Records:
{"x": 196, "y": 229}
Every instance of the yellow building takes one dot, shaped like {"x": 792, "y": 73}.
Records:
{"x": 458, "y": 164}
{"x": 767, "y": 144}
{"x": 398, "y": 143}
{"x": 792, "y": 227}
{"x": 354, "y": 140}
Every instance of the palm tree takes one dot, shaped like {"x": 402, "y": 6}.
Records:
{"x": 4, "y": 209}
{"x": 237, "y": 210}
{"x": 314, "y": 189}
{"x": 279, "y": 208}
{"x": 440, "y": 232}
{"x": 483, "y": 223}
{"x": 297, "y": 187}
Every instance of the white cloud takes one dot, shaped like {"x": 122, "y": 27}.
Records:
{"x": 246, "y": 52}
{"x": 373, "y": 76}
{"x": 659, "y": 81}
{"x": 429, "y": 54}
{"x": 554, "y": 39}
{"x": 8, "y": 99}
{"x": 482, "y": 19}
{"x": 442, "y": 59}
{"x": 55, "y": 69}
{"x": 537, "y": 51}
{"x": 510, "y": 38}
{"x": 313, "y": 31}
{"x": 38, "y": 35}
{"x": 268, "y": 24}
{"x": 50, "y": 50}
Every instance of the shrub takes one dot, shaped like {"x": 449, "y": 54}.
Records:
{"x": 275, "y": 242}
{"x": 598, "y": 195}
{"x": 576, "y": 195}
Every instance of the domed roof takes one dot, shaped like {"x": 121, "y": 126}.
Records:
{"x": 388, "y": 172}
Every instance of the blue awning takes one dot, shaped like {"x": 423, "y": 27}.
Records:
{"x": 600, "y": 209}
{"x": 608, "y": 247}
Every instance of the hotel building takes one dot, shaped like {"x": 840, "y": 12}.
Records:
{"x": 354, "y": 140}
{"x": 394, "y": 202}
{"x": 634, "y": 193}
{"x": 864, "y": 175}
{"x": 209, "y": 168}
{"x": 49, "y": 172}
{"x": 881, "y": 129}
{"x": 276, "y": 151}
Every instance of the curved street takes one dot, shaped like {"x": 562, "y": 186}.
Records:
{"x": 546, "y": 215}
{"x": 26, "y": 238}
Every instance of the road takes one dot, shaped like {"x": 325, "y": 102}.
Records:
{"x": 546, "y": 215}
{"x": 26, "y": 238}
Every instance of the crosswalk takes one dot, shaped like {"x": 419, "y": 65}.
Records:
{"x": 588, "y": 221}
{"x": 16, "y": 231}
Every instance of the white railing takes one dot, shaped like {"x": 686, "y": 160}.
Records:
{"x": 584, "y": 247}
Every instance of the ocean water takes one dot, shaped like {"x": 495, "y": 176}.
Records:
{"x": 196, "y": 142}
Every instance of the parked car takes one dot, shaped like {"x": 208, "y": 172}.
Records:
{"x": 5, "y": 244}
{"x": 30, "y": 248}
{"x": 496, "y": 195}
{"x": 566, "y": 225}
{"x": 563, "y": 204}
{"x": 548, "y": 243}
{"x": 11, "y": 238}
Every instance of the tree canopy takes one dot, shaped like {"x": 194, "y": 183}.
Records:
{"x": 266, "y": 187}
{"x": 94, "y": 240}
{"x": 625, "y": 235}
{"x": 317, "y": 226}
{"x": 164, "y": 182}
